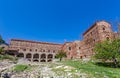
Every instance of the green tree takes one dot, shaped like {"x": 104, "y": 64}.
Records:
{"x": 1, "y": 40}
{"x": 61, "y": 54}
{"x": 108, "y": 50}
{"x": 1, "y": 50}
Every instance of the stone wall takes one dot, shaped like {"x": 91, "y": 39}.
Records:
{"x": 33, "y": 50}
{"x": 98, "y": 32}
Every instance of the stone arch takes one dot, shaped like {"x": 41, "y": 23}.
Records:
{"x": 36, "y": 60}
{"x": 20, "y": 55}
{"x": 50, "y": 56}
{"x": 36, "y": 55}
{"x": 49, "y": 60}
{"x": 43, "y": 55}
{"x": 43, "y": 60}
{"x": 29, "y": 55}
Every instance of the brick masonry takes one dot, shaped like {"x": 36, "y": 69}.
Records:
{"x": 78, "y": 49}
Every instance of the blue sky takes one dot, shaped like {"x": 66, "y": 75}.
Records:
{"x": 53, "y": 20}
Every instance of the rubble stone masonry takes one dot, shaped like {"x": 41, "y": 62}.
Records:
{"x": 44, "y": 51}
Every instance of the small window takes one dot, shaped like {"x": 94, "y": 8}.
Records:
{"x": 69, "y": 48}
{"x": 36, "y": 50}
{"x": 24, "y": 49}
{"x": 79, "y": 47}
{"x": 48, "y": 50}
{"x": 103, "y": 28}
{"x": 43, "y": 50}
{"x": 30, "y": 49}
{"x": 91, "y": 33}
{"x": 53, "y": 51}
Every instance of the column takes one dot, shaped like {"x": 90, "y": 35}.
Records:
{"x": 24, "y": 55}
{"x": 46, "y": 57}
{"x": 39, "y": 57}
{"x": 32, "y": 57}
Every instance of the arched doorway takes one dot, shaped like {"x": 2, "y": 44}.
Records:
{"x": 36, "y": 56}
{"x": 28, "y": 55}
{"x": 50, "y": 56}
{"x": 43, "y": 56}
{"x": 42, "y": 60}
{"x": 49, "y": 60}
{"x": 20, "y": 55}
{"x": 35, "y": 60}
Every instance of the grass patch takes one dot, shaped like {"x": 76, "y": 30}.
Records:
{"x": 12, "y": 58}
{"x": 94, "y": 70}
{"x": 22, "y": 67}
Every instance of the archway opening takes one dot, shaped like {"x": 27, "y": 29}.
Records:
{"x": 50, "y": 60}
{"x": 28, "y": 55}
{"x": 36, "y": 56}
{"x": 43, "y": 60}
{"x": 50, "y": 56}
{"x": 35, "y": 60}
{"x": 20, "y": 55}
{"x": 43, "y": 56}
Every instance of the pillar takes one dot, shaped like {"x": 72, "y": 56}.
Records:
{"x": 32, "y": 57}
{"x": 24, "y": 55}
{"x": 46, "y": 57}
{"x": 39, "y": 57}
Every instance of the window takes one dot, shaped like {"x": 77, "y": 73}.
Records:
{"x": 36, "y": 50}
{"x": 53, "y": 51}
{"x": 91, "y": 33}
{"x": 24, "y": 49}
{"x": 48, "y": 50}
{"x": 108, "y": 38}
{"x": 69, "y": 48}
{"x": 30, "y": 49}
{"x": 43, "y": 50}
{"x": 103, "y": 28}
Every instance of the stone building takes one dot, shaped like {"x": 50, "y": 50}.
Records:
{"x": 98, "y": 32}
{"x": 34, "y": 51}
{"x": 44, "y": 51}
{"x": 73, "y": 49}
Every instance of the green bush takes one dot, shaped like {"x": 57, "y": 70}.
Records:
{"x": 12, "y": 58}
{"x": 21, "y": 67}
